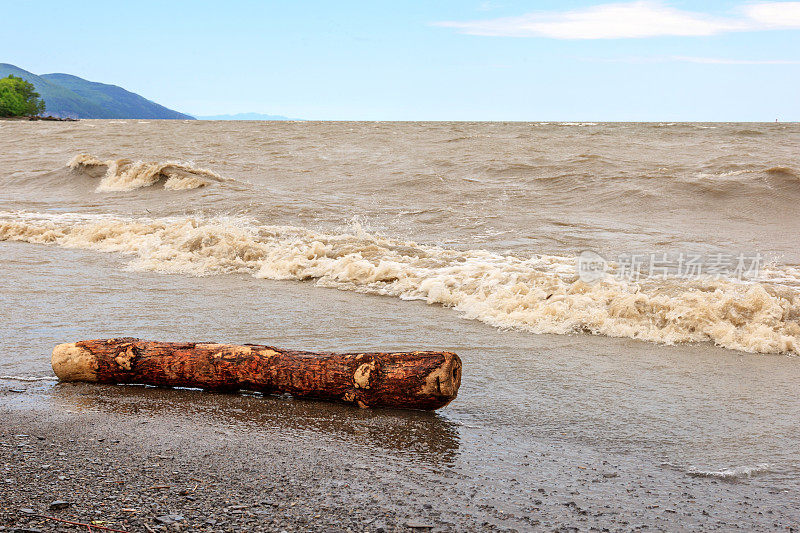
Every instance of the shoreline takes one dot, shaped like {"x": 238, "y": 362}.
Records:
{"x": 150, "y": 459}
{"x": 35, "y": 118}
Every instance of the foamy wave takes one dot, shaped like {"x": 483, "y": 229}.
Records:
{"x": 725, "y": 174}
{"x": 29, "y": 379}
{"x": 540, "y": 294}
{"x": 128, "y": 175}
{"x": 732, "y": 473}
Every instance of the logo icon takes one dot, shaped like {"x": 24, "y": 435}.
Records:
{"x": 591, "y": 266}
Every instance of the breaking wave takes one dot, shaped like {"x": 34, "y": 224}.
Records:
{"x": 127, "y": 175}
{"x": 785, "y": 172}
{"x": 539, "y": 294}
{"x": 732, "y": 474}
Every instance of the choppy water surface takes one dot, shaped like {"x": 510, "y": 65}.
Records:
{"x": 335, "y": 235}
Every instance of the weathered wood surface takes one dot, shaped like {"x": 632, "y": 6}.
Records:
{"x": 406, "y": 380}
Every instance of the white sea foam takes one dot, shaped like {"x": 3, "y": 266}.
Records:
{"x": 29, "y": 378}
{"x": 732, "y": 473}
{"x": 128, "y": 175}
{"x": 540, "y": 294}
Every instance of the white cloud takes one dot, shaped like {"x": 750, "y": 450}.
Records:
{"x": 692, "y": 59}
{"x": 488, "y": 6}
{"x": 725, "y": 61}
{"x": 633, "y": 20}
{"x": 774, "y": 15}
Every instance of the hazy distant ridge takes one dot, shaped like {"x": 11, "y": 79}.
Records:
{"x": 244, "y": 116}
{"x": 66, "y": 95}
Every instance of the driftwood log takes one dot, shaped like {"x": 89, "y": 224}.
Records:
{"x": 406, "y": 380}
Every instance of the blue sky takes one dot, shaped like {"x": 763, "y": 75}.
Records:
{"x": 444, "y": 60}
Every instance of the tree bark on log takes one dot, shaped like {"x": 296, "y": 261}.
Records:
{"x": 405, "y": 380}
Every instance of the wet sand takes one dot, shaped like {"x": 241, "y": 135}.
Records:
{"x": 139, "y": 458}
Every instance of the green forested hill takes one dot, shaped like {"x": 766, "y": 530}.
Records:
{"x": 70, "y": 96}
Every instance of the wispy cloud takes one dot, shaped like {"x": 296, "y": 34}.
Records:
{"x": 633, "y": 20}
{"x": 773, "y": 15}
{"x": 488, "y": 6}
{"x": 692, "y": 59}
{"x": 725, "y": 61}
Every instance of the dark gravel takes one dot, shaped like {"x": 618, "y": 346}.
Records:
{"x": 144, "y": 459}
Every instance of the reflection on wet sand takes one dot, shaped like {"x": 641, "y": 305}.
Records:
{"x": 417, "y": 435}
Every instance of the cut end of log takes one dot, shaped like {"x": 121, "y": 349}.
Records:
{"x": 444, "y": 381}
{"x": 73, "y": 363}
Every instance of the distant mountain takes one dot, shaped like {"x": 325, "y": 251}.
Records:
{"x": 70, "y": 96}
{"x": 244, "y": 116}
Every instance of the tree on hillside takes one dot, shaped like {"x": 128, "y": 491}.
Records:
{"x": 19, "y": 98}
